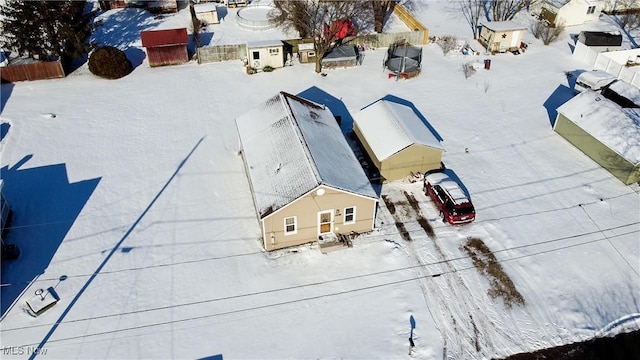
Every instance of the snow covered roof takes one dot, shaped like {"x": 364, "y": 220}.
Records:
{"x": 557, "y": 3}
{"x": 291, "y": 145}
{"x": 306, "y": 46}
{"x": 205, "y": 7}
{"x": 263, "y": 43}
{"x": 502, "y": 25}
{"x": 616, "y": 127}
{"x": 390, "y": 127}
{"x": 626, "y": 90}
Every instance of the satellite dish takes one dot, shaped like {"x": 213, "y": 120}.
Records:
{"x": 320, "y": 192}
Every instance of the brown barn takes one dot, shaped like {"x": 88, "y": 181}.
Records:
{"x": 166, "y": 47}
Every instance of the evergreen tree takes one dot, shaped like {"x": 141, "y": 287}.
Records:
{"x": 44, "y": 29}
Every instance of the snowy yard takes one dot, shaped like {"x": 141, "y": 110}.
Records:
{"x": 133, "y": 205}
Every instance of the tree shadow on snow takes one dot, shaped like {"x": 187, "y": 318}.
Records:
{"x": 5, "y": 94}
{"x": 44, "y": 205}
{"x": 122, "y": 30}
{"x": 560, "y": 95}
{"x": 135, "y": 55}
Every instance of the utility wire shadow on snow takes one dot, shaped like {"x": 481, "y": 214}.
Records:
{"x": 45, "y": 205}
{"x": 117, "y": 248}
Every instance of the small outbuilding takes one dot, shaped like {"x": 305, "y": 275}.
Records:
{"x": 265, "y": 53}
{"x": 340, "y": 56}
{"x": 601, "y": 41}
{"x": 307, "y": 53}
{"x": 501, "y": 36}
{"x": 397, "y": 140}
{"x": 166, "y": 47}
{"x": 604, "y": 131}
{"x": 306, "y": 182}
{"x": 207, "y": 12}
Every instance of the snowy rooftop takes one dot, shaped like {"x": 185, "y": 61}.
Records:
{"x": 205, "y": 7}
{"x": 626, "y": 90}
{"x": 292, "y": 145}
{"x": 264, "y": 43}
{"x": 502, "y": 25}
{"x": 390, "y": 127}
{"x": 614, "y": 126}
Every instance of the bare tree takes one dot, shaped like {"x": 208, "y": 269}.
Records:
{"x": 502, "y": 10}
{"x": 472, "y": 11}
{"x": 319, "y": 20}
{"x": 380, "y": 10}
{"x": 546, "y": 32}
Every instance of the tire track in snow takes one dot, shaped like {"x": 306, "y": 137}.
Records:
{"x": 468, "y": 329}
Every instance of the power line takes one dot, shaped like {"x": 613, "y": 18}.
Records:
{"x": 364, "y": 275}
{"x": 315, "y": 297}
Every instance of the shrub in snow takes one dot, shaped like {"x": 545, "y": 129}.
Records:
{"x": 110, "y": 63}
{"x": 546, "y": 32}
{"x": 447, "y": 43}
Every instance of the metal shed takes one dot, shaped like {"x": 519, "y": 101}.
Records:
{"x": 166, "y": 47}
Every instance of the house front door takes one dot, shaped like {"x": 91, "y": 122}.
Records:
{"x": 325, "y": 222}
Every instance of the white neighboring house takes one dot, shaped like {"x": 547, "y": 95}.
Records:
{"x": 569, "y": 12}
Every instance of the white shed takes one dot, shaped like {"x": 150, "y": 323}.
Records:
{"x": 265, "y": 53}
{"x": 207, "y": 12}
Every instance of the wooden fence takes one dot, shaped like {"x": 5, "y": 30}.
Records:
{"x": 32, "y": 71}
{"x": 411, "y": 22}
{"x": 216, "y": 53}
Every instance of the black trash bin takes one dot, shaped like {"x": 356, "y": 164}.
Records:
{"x": 487, "y": 64}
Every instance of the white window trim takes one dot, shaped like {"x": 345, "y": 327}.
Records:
{"x": 344, "y": 218}
{"x": 295, "y": 225}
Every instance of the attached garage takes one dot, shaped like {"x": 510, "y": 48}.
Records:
{"x": 307, "y": 184}
{"x": 603, "y": 130}
{"x": 397, "y": 140}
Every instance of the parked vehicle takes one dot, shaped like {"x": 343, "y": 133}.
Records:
{"x": 452, "y": 202}
{"x": 594, "y": 80}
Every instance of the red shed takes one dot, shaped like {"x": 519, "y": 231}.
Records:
{"x": 166, "y": 47}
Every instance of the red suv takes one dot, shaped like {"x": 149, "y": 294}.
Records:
{"x": 455, "y": 207}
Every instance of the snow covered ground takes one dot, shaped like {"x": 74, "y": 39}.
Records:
{"x": 132, "y": 205}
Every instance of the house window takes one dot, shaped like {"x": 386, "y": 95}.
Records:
{"x": 350, "y": 215}
{"x": 591, "y": 10}
{"x": 256, "y": 55}
{"x": 290, "y": 225}
{"x": 274, "y": 51}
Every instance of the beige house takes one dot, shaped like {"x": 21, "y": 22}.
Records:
{"x": 265, "y": 53}
{"x": 307, "y": 184}
{"x": 397, "y": 140}
{"x": 207, "y": 12}
{"x": 501, "y": 36}
{"x": 604, "y": 131}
